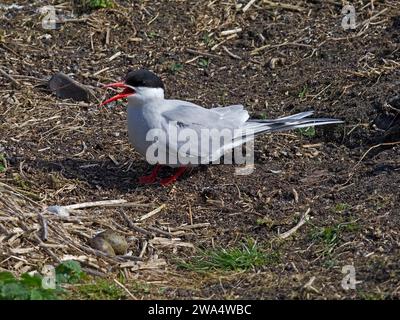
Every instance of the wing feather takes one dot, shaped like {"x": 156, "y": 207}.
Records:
{"x": 188, "y": 117}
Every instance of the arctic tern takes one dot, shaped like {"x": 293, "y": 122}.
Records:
{"x": 148, "y": 110}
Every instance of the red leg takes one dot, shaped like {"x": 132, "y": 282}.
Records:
{"x": 173, "y": 178}
{"x": 152, "y": 177}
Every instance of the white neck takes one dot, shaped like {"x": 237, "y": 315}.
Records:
{"x": 143, "y": 95}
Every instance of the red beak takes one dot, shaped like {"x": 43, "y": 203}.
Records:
{"x": 124, "y": 94}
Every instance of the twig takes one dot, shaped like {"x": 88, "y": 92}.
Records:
{"x": 159, "y": 231}
{"x": 192, "y": 226}
{"x": 91, "y": 41}
{"x": 313, "y": 145}
{"x": 135, "y": 227}
{"x": 321, "y": 92}
{"x": 101, "y": 71}
{"x": 154, "y": 19}
{"x": 130, "y": 258}
{"x": 44, "y": 230}
{"x": 152, "y": 213}
{"x": 114, "y": 56}
{"x": 285, "y": 6}
{"x": 202, "y": 53}
{"x": 391, "y": 107}
{"x": 48, "y": 250}
{"x": 144, "y": 248}
{"x": 373, "y": 17}
{"x": 230, "y": 32}
{"x": 214, "y": 47}
{"x": 171, "y": 242}
{"x": 94, "y": 272}
{"x": 190, "y": 214}
{"x": 3, "y": 230}
{"x": 268, "y": 46}
{"x": 302, "y": 221}
{"x": 95, "y": 204}
{"x": 108, "y": 32}
{"x": 72, "y": 20}
{"x": 296, "y": 195}
{"x": 308, "y": 285}
{"x": 231, "y": 54}
{"x": 373, "y": 147}
{"x": 9, "y": 49}
{"x": 9, "y": 77}
{"x": 248, "y": 5}
{"x": 125, "y": 288}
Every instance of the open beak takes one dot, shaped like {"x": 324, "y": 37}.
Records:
{"x": 128, "y": 91}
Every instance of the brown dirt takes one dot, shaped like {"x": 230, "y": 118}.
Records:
{"x": 352, "y": 75}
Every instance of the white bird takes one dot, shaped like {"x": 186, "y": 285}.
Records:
{"x": 149, "y": 111}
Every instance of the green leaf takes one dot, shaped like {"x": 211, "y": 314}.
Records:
{"x": 203, "y": 62}
{"x": 248, "y": 255}
{"x": 36, "y": 295}
{"x": 14, "y": 291}
{"x": 31, "y": 281}
{"x": 175, "y": 67}
{"x": 308, "y": 132}
{"x": 303, "y": 92}
{"x": 99, "y": 4}
{"x": 26, "y": 288}
{"x": 69, "y": 272}
{"x": 6, "y": 277}
{"x": 152, "y": 34}
{"x": 207, "y": 39}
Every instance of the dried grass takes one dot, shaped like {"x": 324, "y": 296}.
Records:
{"x": 31, "y": 236}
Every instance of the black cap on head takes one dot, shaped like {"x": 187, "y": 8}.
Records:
{"x": 143, "y": 78}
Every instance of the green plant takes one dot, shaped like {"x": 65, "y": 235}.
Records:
{"x": 69, "y": 272}
{"x": 152, "y": 34}
{"x": 266, "y": 222}
{"x": 308, "y": 132}
{"x": 340, "y": 207}
{"x": 371, "y": 295}
{"x": 247, "y": 256}
{"x": 176, "y": 67}
{"x": 100, "y": 4}
{"x": 208, "y": 40}
{"x": 97, "y": 290}
{"x": 303, "y": 92}
{"x": 203, "y": 62}
{"x": 30, "y": 287}
{"x": 26, "y": 288}
{"x": 330, "y": 236}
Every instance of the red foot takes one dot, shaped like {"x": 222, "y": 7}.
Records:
{"x": 174, "y": 177}
{"x": 152, "y": 177}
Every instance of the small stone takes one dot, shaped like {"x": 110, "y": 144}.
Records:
{"x": 66, "y": 88}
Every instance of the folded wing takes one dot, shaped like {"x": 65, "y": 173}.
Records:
{"x": 206, "y": 134}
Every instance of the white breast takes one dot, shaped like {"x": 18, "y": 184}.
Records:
{"x": 140, "y": 121}
{"x": 145, "y": 109}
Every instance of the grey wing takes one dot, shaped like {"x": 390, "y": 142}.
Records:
{"x": 206, "y": 132}
{"x": 229, "y": 117}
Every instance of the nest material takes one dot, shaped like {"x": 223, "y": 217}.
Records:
{"x": 31, "y": 237}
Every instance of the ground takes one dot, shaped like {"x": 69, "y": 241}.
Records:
{"x": 282, "y": 61}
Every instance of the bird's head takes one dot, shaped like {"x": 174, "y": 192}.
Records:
{"x": 139, "y": 85}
